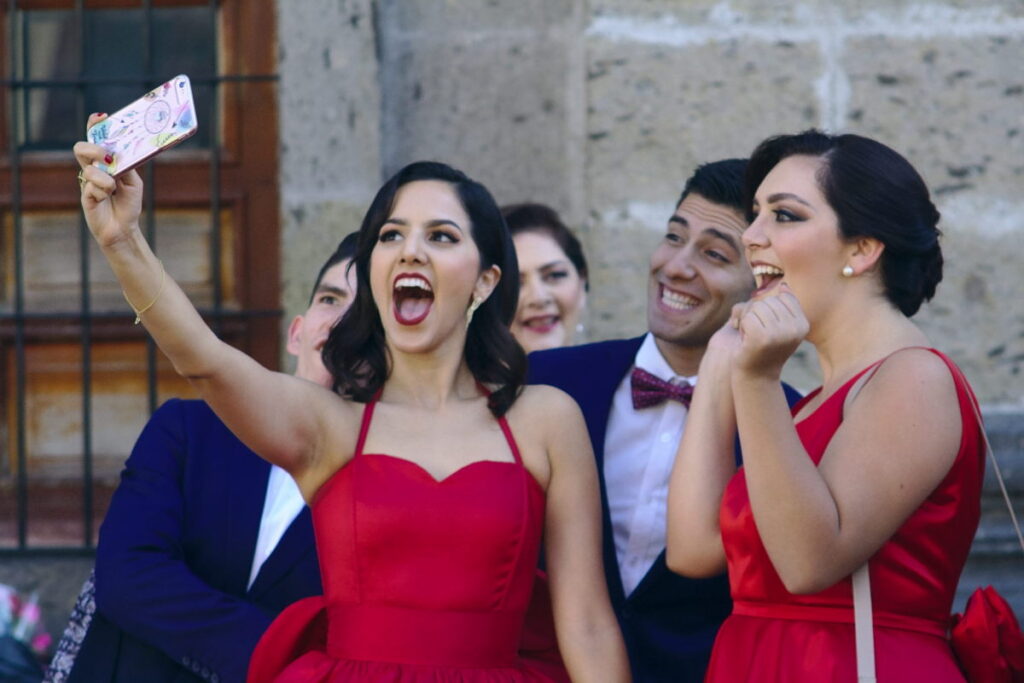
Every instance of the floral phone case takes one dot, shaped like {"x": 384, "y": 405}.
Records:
{"x": 158, "y": 120}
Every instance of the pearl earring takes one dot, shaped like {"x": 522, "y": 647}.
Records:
{"x": 847, "y": 271}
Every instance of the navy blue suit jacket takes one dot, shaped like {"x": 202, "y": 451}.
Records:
{"x": 174, "y": 556}
{"x": 668, "y": 622}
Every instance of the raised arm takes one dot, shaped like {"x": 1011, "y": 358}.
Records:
{"x": 276, "y": 415}
{"x": 588, "y": 632}
{"x": 704, "y": 464}
{"x": 898, "y": 439}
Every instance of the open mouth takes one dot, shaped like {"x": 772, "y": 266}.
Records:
{"x": 413, "y": 298}
{"x": 541, "y": 324}
{"x": 677, "y": 301}
{"x": 766, "y": 276}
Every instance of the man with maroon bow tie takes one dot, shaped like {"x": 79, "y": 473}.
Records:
{"x": 634, "y": 395}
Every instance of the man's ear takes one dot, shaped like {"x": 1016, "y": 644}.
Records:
{"x": 294, "y": 333}
{"x": 866, "y": 254}
{"x": 486, "y": 282}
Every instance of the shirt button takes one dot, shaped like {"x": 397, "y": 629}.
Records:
{"x": 665, "y": 438}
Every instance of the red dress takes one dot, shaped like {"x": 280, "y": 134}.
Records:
{"x": 773, "y": 635}
{"x": 424, "y": 580}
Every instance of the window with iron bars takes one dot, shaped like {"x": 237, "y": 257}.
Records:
{"x": 77, "y": 379}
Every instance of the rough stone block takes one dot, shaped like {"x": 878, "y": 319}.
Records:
{"x": 953, "y": 107}
{"x": 656, "y": 111}
{"x": 618, "y": 252}
{"x": 714, "y": 13}
{"x": 977, "y": 315}
{"x": 497, "y": 109}
{"x": 444, "y": 16}
{"x": 953, "y": 14}
{"x": 731, "y": 13}
{"x": 329, "y": 99}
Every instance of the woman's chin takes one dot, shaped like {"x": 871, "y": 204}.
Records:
{"x": 532, "y": 341}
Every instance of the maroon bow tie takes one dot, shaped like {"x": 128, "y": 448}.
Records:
{"x": 649, "y": 390}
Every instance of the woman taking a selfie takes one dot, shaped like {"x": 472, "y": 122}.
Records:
{"x": 431, "y": 471}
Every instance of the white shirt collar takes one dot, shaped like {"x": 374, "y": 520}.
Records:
{"x": 649, "y": 358}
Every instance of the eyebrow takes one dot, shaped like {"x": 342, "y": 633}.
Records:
{"x": 725, "y": 237}
{"x": 779, "y": 196}
{"x": 555, "y": 264}
{"x": 720, "y": 234}
{"x": 430, "y": 224}
{"x": 330, "y": 289}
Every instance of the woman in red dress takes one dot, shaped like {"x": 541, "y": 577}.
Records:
{"x": 432, "y": 473}
{"x": 881, "y": 465}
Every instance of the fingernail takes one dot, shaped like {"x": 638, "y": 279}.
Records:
{"x": 109, "y": 158}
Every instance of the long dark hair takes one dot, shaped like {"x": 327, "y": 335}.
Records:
{"x": 875, "y": 193}
{"x": 356, "y": 352}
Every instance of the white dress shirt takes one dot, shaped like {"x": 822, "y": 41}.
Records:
{"x": 280, "y": 508}
{"x": 639, "y": 451}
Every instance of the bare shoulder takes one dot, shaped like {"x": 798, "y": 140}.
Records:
{"x": 914, "y": 387}
{"x": 915, "y": 372}
{"x": 548, "y": 405}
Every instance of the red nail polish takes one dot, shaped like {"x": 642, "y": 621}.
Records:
{"x": 108, "y": 159}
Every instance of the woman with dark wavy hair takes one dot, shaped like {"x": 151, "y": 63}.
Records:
{"x": 882, "y": 465}
{"x": 432, "y": 473}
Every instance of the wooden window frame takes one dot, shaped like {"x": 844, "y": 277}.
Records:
{"x": 238, "y": 175}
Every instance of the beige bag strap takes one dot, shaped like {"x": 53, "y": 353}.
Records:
{"x": 863, "y": 626}
{"x": 863, "y": 620}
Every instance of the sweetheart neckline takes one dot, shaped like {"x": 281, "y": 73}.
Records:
{"x": 426, "y": 473}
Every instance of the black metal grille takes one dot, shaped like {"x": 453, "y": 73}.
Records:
{"x": 104, "y": 59}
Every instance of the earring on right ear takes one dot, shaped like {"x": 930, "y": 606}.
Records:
{"x": 847, "y": 271}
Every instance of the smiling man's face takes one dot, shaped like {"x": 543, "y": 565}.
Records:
{"x": 698, "y": 272}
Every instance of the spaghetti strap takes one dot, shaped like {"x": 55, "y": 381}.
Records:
{"x": 364, "y": 428}
{"x": 511, "y": 440}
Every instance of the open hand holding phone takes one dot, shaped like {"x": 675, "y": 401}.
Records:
{"x": 158, "y": 120}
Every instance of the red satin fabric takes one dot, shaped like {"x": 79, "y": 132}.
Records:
{"x": 775, "y": 636}
{"x": 424, "y": 580}
{"x": 988, "y": 641}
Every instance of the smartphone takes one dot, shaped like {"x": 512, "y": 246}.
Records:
{"x": 158, "y": 120}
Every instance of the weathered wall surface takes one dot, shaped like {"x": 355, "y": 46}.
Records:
{"x": 601, "y": 108}
{"x": 330, "y": 132}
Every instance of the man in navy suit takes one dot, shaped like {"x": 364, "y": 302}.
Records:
{"x": 204, "y": 542}
{"x": 698, "y": 272}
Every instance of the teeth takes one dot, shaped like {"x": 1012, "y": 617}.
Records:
{"x": 413, "y": 282}
{"x": 765, "y": 270}
{"x": 764, "y": 273}
{"x": 677, "y": 301}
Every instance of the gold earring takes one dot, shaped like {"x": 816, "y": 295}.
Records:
{"x": 475, "y": 304}
{"x": 847, "y": 271}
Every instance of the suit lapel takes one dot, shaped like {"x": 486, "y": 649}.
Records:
{"x": 617, "y": 363}
{"x": 296, "y": 544}
{"x": 597, "y": 404}
{"x": 651, "y": 578}
{"x": 246, "y": 492}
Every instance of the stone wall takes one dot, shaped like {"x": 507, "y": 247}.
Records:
{"x": 602, "y": 108}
